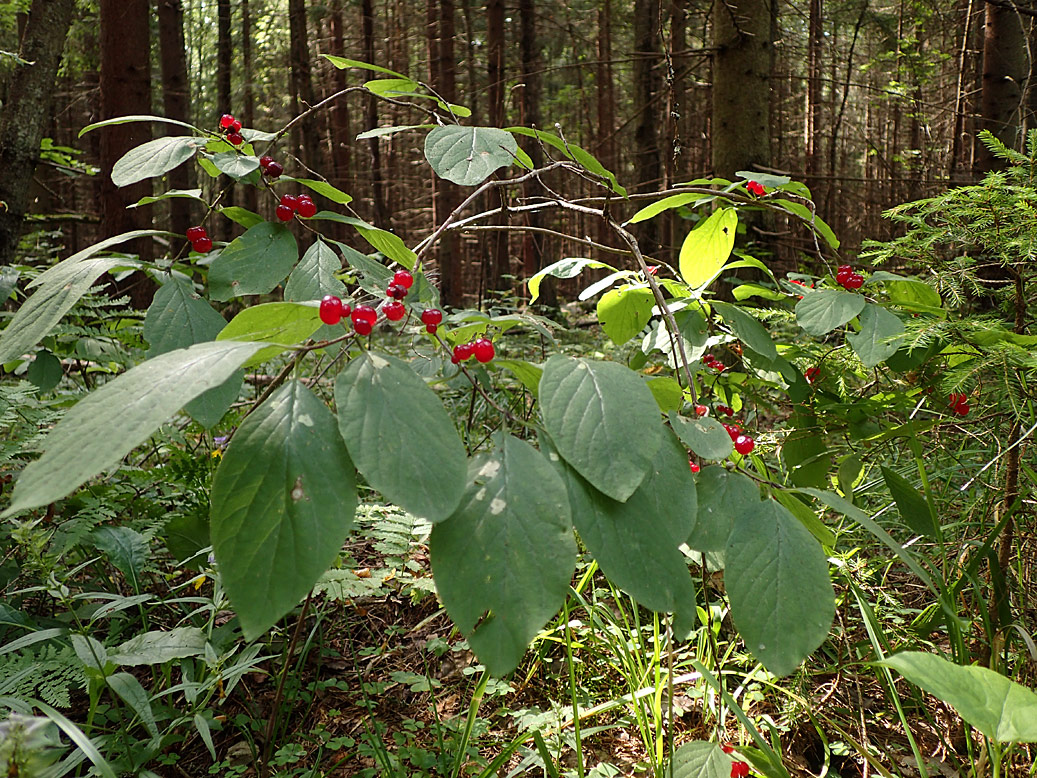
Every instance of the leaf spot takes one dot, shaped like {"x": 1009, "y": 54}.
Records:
{"x": 480, "y": 495}
{"x": 298, "y": 493}
{"x": 497, "y": 506}
{"x": 306, "y": 420}
{"x": 490, "y": 469}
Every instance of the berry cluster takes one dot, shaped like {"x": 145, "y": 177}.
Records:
{"x": 847, "y": 279}
{"x": 333, "y": 310}
{"x": 292, "y": 204}
{"x": 711, "y": 361}
{"x": 743, "y": 443}
{"x": 755, "y": 188}
{"x": 400, "y": 284}
{"x": 232, "y": 127}
{"x": 727, "y": 410}
{"x": 701, "y": 410}
{"x": 959, "y": 404}
{"x": 271, "y": 167}
{"x": 738, "y": 769}
{"x": 811, "y": 374}
{"x": 431, "y": 318}
{"x": 480, "y": 348}
{"x": 200, "y": 241}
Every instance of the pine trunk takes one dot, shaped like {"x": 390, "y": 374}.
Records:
{"x": 176, "y": 101}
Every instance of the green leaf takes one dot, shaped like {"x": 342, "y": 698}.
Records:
{"x": 722, "y": 495}
{"x": 673, "y": 201}
{"x": 322, "y": 188}
{"x": 708, "y": 247}
{"x": 745, "y": 291}
{"x": 235, "y": 165}
{"x": 912, "y": 506}
{"x": 667, "y": 391}
{"x": 45, "y": 372}
{"x": 603, "y": 420}
{"x": 242, "y": 216}
{"x": 285, "y": 324}
{"x": 880, "y": 336}
{"x": 283, "y": 500}
{"x": 253, "y": 263}
{"x": 527, "y": 373}
{"x": 700, "y": 759}
{"x": 914, "y": 295}
{"x": 804, "y": 452}
{"x": 38, "y": 315}
{"x": 806, "y": 516}
{"x": 776, "y": 577}
{"x": 705, "y": 436}
{"x": 172, "y": 194}
{"x": 468, "y": 155}
{"x": 747, "y": 329}
{"x": 814, "y": 221}
{"x": 624, "y": 312}
{"x": 154, "y": 158}
{"x": 314, "y": 276}
{"x": 637, "y": 543}
{"x": 767, "y": 179}
{"x": 573, "y": 152}
{"x": 392, "y": 86}
{"x": 78, "y": 737}
{"x": 132, "y": 693}
{"x": 822, "y": 311}
{"x": 111, "y": 421}
{"x": 400, "y": 436}
{"x": 570, "y": 267}
{"x": 378, "y": 132}
{"x": 158, "y": 647}
{"x": 998, "y": 707}
{"x": 136, "y": 118}
{"x": 342, "y": 63}
{"x": 391, "y": 245}
{"x": 126, "y": 549}
{"x": 503, "y": 561}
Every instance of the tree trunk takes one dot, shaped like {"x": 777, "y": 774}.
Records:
{"x": 176, "y": 101}
{"x": 26, "y": 112}
{"x": 224, "y": 55}
{"x": 814, "y": 123}
{"x": 1004, "y": 72}
{"x": 742, "y": 66}
{"x": 125, "y": 90}
{"x": 497, "y": 264}
{"x": 307, "y": 136}
{"x": 371, "y": 119}
{"x": 647, "y": 167}
{"x": 341, "y": 138}
{"x": 248, "y": 99}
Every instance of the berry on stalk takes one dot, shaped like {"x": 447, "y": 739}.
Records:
{"x": 403, "y": 278}
{"x": 331, "y": 310}
{"x": 744, "y": 445}
{"x": 202, "y": 245}
{"x": 483, "y": 349}
{"x": 307, "y": 208}
{"x": 394, "y": 310}
{"x": 462, "y": 353}
{"x": 226, "y": 121}
{"x": 284, "y": 213}
{"x": 194, "y": 233}
{"x": 364, "y": 313}
{"x": 234, "y": 139}
{"x": 396, "y": 291}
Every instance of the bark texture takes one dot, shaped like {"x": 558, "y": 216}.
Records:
{"x": 176, "y": 100}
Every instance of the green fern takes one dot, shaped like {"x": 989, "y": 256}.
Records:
{"x": 49, "y": 673}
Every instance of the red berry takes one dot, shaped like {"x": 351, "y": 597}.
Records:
{"x": 202, "y": 245}
{"x": 290, "y": 201}
{"x": 307, "y": 209}
{"x": 739, "y": 769}
{"x": 364, "y": 313}
{"x": 234, "y": 139}
{"x": 726, "y": 410}
{"x": 396, "y": 291}
{"x": 844, "y": 269}
{"x": 744, "y": 444}
{"x": 194, "y": 233}
{"x": 363, "y": 327}
{"x": 962, "y": 409}
{"x": 264, "y": 161}
{"x": 394, "y": 310}
{"x": 226, "y": 121}
{"x": 235, "y": 126}
{"x": 811, "y": 374}
{"x": 284, "y": 213}
{"x": 431, "y": 328}
{"x": 331, "y": 309}
{"x": 734, "y": 430}
{"x": 855, "y": 281}
{"x": 462, "y": 352}
{"x": 483, "y": 349}
{"x": 694, "y": 468}
{"x": 274, "y": 169}
{"x": 403, "y": 278}
{"x": 755, "y": 188}
{"x": 652, "y": 269}
{"x": 431, "y": 316}
{"x": 727, "y": 748}
{"x": 701, "y": 410}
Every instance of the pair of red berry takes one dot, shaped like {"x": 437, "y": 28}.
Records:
{"x": 755, "y": 188}
{"x": 200, "y": 241}
{"x": 399, "y": 286}
{"x": 711, "y": 361}
{"x": 333, "y": 310}
{"x": 271, "y": 167}
{"x": 292, "y": 204}
{"x": 847, "y": 279}
{"x": 811, "y": 374}
{"x": 480, "y": 348}
{"x": 959, "y": 404}
{"x": 738, "y": 769}
{"x": 743, "y": 443}
{"x": 232, "y": 127}
{"x": 431, "y": 318}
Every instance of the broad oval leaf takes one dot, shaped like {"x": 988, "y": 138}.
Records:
{"x": 323, "y": 188}
{"x": 700, "y": 759}
{"x": 154, "y": 158}
{"x": 603, "y": 420}
{"x": 776, "y": 576}
{"x": 747, "y": 329}
{"x": 707, "y": 248}
{"x": 386, "y": 242}
{"x": 822, "y": 311}
{"x": 637, "y": 543}
{"x": 468, "y": 155}
{"x": 400, "y": 436}
{"x": 913, "y": 508}
{"x": 997, "y": 706}
{"x": 285, "y": 324}
{"x": 235, "y": 165}
{"x": 705, "y": 436}
{"x": 46, "y": 371}
{"x": 504, "y": 560}
{"x": 253, "y": 263}
{"x": 111, "y": 421}
{"x": 880, "y": 336}
{"x": 283, "y": 500}
{"x": 158, "y": 647}
{"x": 722, "y": 495}
{"x": 804, "y": 451}
{"x": 624, "y": 312}
{"x": 570, "y": 267}
{"x": 126, "y": 548}
{"x": 314, "y": 276}
{"x": 573, "y": 152}
{"x": 132, "y": 693}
